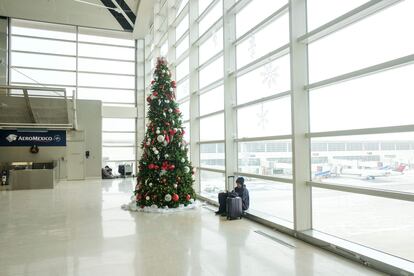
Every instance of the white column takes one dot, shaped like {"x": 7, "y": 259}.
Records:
{"x": 302, "y": 196}
{"x": 194, "y": 97}
{"x": 230, "y": 115}
{"x": 140, "y": 95}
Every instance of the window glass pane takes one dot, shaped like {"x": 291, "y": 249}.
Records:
{"x": 118, "y": 139}
{"x": 185, "y": 110}
{"x": 101, "y": 51}
{"x": 211, "y": 72}
{"x": 43, "y": 76}
{"x": 164, "y": 49}
{"x": 358, "y": 49}
{"x": 106, "y": 37}
{"x": 181, "y": 28}
{"x": 211, "y": 183}
{"x": 183, "y": 89}
{"x": 212, "y": 156}
{"x": 272, "y": 78}
{"x": 40, "y": 29}
{"x": 244, "y": 19}
{"x": 270, "y": 198}
{"x": 383, "y": 99}
{"x": 213, "y": 15}
{"x": 182, "y": 47}
{"x": 382, "y": 161}
{"x": 321, "y": 11}
{"x": 380, "y": 223}
{"x": 212, "y": 46}
{"x": 182, "y": 69}
{"x": 43, "y": 61}
{"x": 106, "y": 66}
{"x": 118, "y": 153}
{"x": 212, "y": 101}
{"x": 104, "y": 80}
{"x": 265, "y": 119}
{"x": 107, "y": 95}
{"x": 270, "y": 158}
{"x": 181, "y": 6}
{"x": 186, "y": 127}
{"x": 43, "y": 46}
{"x": 271, "y": 37}
{"x": 115, "y": 124}
{"x": 202, "y": 5}
{"x": 212, "y": 128}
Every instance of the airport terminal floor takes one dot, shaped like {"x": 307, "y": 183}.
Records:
{"x": 78, "y": 228}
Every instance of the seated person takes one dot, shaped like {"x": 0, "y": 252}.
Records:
{"x": 107, "y": 173}
{"x": 240, "y": 190}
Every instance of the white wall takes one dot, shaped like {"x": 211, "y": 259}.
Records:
{"x": 3, "y": 51}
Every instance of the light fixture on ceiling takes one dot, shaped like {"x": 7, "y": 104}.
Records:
{"x": 118, "y": 10}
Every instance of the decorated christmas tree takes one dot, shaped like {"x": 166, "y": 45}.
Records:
{"x": 165, "y": 173}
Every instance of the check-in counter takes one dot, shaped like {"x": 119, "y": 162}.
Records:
{"x": 28, "y": 175}
{"x": 32, "y": 179}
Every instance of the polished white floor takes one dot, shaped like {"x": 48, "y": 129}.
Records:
{"x": 79, "y": 229}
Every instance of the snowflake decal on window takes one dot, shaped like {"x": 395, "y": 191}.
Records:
{"x": 270, "y": 75}
{"x": 262, "y": 115}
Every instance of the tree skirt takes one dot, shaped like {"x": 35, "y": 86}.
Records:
{"x": 132, "y": 206}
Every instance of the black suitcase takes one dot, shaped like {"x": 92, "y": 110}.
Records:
{"x": 234, "y": 208}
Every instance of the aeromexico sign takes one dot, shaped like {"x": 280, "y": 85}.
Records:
{"x": 14, "y": 138}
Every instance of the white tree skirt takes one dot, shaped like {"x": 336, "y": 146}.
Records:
{"x": 132, "y": 206}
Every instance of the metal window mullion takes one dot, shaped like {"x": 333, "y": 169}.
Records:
{"x": 211, "y": 170}
{"x": 363, "y": 131}
{"x": 238, "y": 6}
{"x": 265, "y": 99}
{"x": 230, "y": 96}
{"x": 194, "y": 85}
{"x": 264, "y": 138}
{"x": 107, "y": 88}
{"x": 210, "y": 114}
{"x": 207, "y": 10}
{"x": 210, "y": 60}
{"x": 108, "y": 59}
{"x": 211, "y": 142}
{"x": 117, "y": 131}
{"x": 395, "y": 63}
{"x": 42, "y": 53}
{"x": 265, "y": 177}
{"x": 398, "y": 195}
{"x": 301, "y": 165}
{"x": 348, "y": 18}
{"x": 181, "y": 58}
{"x": 105, "y": 44}
{"x": 55, "y": 89}
{"x": 44, "y": 38}
{"x": 181, "y": 15}
{"x": 181, "y": 38}
{"x": 211, "y": 86}
{"x": 269, "y": 57}
{"x": 262, "y": 24}
{"x": 210, "y": 31}
{"x": 105, "y": 73}
{"x": 44, "y": 69}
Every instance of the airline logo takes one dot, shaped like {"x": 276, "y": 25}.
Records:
{"x": 11, "y": 138}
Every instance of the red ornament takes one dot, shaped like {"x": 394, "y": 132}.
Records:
{"x": 175, "y": 197}
{"x": 151, "y": 166}
{"x": 172, "y": 167}
{"x": 173, "y": 84}
{"x": 177, "y": 110}
{"x": 155, "y": 93}
{"x": 153, "y": 81}
{"x": 139, "y": 196}
{"x": 149, "y": 99}
{"x": 188, "y": 197}
{"x": 183, "y": 131}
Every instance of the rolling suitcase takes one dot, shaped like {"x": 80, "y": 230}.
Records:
{"x": 234, "y": 208}
{"x": 233, "y": 202}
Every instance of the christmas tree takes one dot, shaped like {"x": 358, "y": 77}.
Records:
{"x": 165, "y": 173}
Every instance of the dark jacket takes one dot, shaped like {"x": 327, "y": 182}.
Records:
{"x": 244, "y": 194}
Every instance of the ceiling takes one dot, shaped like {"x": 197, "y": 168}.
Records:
{"x": 72, "y": 12}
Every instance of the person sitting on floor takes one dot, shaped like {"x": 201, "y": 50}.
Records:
{"x": 240, "y": 190}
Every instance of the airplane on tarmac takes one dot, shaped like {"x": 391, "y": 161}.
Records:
{"x": 363, "y": 172}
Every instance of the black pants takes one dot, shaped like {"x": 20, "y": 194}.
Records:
{"x": 222, "y": 197}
